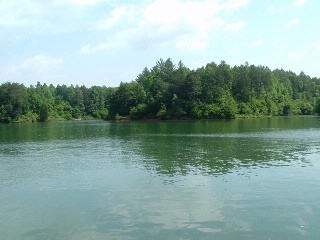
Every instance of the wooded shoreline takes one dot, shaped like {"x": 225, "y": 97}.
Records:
{"x": 167, "y": 92}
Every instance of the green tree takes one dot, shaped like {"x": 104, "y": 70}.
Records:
{"x": 317, "y": 107}
{"x": 242, "y": 84}
{"x": 13, "y": 101}
{"x": 126, "y": 96}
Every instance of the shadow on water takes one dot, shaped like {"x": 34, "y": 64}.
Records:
{"x": 40, "y": 132}
{"x": 221, "y": 147}
{"x": 211, "y": 147}
{"x": 104, "y": 180}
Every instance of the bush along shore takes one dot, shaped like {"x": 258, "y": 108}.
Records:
{"x": 169, "y": 91}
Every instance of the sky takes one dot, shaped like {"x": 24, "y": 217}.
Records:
{"x": 104, "y": 42}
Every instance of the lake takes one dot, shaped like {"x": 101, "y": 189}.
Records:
{"x": 213, "y": 179}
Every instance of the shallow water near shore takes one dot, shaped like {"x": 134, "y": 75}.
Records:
{"x": 213, "y": 179}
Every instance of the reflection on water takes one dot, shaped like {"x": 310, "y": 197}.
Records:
{"x": 225, "y": 153}
{"x": 247, "y": 179}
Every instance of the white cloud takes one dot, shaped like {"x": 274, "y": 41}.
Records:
{"x": 316, "y": 46}
{"x": 42, "y": 17}
{"x": 84, "y": 2}
{"x": 117, "y": 42}
{"x": 297, "y": 55}
{"x": 180, "y": 18}
{"x": 235, "y": 4}
{"x": 185, "y": 24}
{"x": 237, "y": 26}
{"x": 99, "y": 47}
{"x": 273, "y": 9}
{"x": 19, "y": 14}
{"x": 37, "y": 68}
{"x": 190, "y": 25}
{"x": 39, "y": 63}
{"x": 293, "y": 22}
{"x": 299, "y": 3}
{"x": 116, "y": 16}
{"x": 193, "y": 43}
{"x": 256, "y": 43}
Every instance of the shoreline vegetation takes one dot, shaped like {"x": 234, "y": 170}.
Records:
{"x": 169, "y": 92}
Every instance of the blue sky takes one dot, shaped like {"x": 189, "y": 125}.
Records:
{"x": 104, "y": 42}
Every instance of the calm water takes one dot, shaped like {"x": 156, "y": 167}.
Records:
{"x": 239, "y": 179}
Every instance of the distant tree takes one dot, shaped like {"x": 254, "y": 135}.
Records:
{"x": 169, "y": 91}
{"x": 317, "y": 107}
{"x": 13, "y": 101}
{"x": 126, "y": 96}
{"x": 242, "y": 84}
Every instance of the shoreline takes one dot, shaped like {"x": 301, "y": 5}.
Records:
{"x": 127, "y": 119}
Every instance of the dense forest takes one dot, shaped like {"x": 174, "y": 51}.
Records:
{"x": 169, "y": 91}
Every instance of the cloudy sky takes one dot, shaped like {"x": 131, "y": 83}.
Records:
{"x": 104, "y": 42}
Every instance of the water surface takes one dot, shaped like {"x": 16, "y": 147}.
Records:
{"x": 217, "y": 179}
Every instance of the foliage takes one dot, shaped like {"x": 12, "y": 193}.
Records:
{"x": 317, "y": 107}
{"x": 169, "y": 91}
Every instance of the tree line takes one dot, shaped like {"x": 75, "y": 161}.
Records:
{"x": 169, "y": 91}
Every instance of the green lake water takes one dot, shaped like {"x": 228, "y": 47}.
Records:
{"x": 217, "y": 179}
